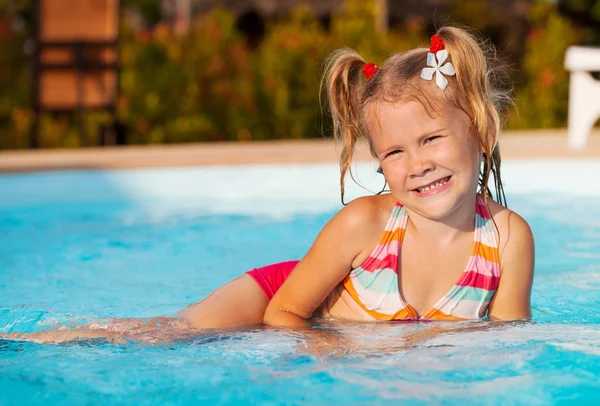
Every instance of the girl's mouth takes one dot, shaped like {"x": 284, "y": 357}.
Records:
{"x": 433, "y": 187}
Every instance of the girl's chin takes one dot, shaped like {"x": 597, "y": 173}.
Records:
{"x": 435, "y": 212}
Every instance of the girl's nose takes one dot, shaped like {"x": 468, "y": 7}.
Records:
{"x": 420, "y": 165}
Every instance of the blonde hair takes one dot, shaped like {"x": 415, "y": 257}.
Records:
{"x": 476, "y": 89}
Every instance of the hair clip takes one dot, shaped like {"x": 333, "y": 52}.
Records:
{"x": 436, "y": 56}
{"x": 369, "y": 70}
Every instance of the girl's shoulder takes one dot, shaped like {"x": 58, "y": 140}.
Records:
{"x": 353, "y": 232}
{"x": 514, "y": 231}
{"x": 365, "y": 221}
{"x": 369, "y": 214}
{"x": 371, "y": 208}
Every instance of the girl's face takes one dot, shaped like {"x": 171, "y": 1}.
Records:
{"x": 430, "y": 164}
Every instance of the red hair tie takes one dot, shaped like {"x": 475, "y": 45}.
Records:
{"x": 369, "y": 70}
{"x": 437, "y": 44}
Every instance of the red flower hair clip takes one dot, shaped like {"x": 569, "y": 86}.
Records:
{"x": 436, "y": 57}
{"x": 369, "y": 70}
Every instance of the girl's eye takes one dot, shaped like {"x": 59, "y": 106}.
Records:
{"x": 429, "y": 139}
{"x": 394, "y": 152}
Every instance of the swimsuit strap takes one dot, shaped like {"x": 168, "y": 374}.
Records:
{"x": 374, "y": 284}
{"x": 392, "y": 236}
{"x": 485, "y": 228}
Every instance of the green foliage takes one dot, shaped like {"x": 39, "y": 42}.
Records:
{"x": 211, "y": 85}
{"x": 149, "y": 9}
{"x": 480, "y": 15}
{"x": 542, "y": 103}
{"x": 9, "y": 7}
{"x": 15, "y": 85}
{"x": 584, "y": 14}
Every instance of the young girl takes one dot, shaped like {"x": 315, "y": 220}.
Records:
{"x": 437, "y": 247}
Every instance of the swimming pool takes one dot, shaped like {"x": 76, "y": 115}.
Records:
{"x": 79, "y": 246}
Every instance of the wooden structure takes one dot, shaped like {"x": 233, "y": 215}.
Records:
{"x": 76, "y": 60}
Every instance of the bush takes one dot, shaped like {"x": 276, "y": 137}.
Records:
{"x": 15, "y": 115}
{"x": 211, "y": 85}
{"x": 543, "y": 101}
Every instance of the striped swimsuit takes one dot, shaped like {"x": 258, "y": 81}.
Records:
{"x": 374, "y": 285}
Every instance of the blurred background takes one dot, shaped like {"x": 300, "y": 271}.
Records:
{"x": 174, "y": 71}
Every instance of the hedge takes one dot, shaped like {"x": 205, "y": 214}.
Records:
{"x": 211, "y": 85}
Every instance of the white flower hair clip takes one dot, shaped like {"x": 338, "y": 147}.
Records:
{"x": 436, "y": 56}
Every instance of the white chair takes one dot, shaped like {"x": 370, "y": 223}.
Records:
{"x": 584, "y": 93}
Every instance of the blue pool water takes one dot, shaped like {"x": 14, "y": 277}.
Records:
{"x": 81, "y": 246}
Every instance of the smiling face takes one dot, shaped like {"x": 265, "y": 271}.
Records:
{"x": 430, "y": 164}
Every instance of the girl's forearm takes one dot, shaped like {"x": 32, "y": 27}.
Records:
{"x": 282, "y": 318}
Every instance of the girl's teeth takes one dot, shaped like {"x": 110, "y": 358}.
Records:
{"x": 435, "y": 185}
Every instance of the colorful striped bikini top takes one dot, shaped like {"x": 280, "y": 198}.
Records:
{"x": 374, "y": 284}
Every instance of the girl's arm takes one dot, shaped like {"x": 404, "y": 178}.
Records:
{"x": 325, "y": 265}
{"x": 512, "y": 299}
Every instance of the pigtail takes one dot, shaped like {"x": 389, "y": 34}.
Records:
{"x": 342, "y": 84}
{"x": 479, "y": 86}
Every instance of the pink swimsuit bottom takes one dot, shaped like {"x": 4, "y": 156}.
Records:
{"x": 271, "y": 277}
